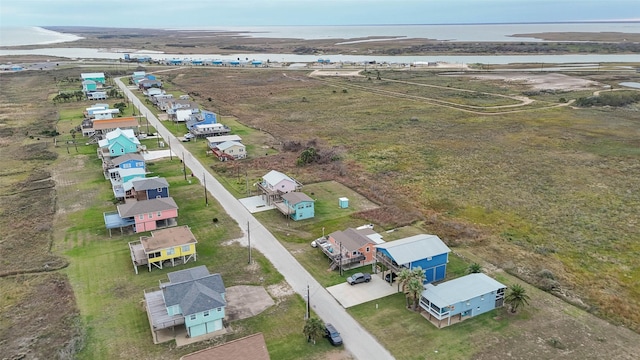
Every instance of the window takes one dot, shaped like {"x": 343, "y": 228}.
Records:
{"x": 158, "y": 197}
{"x": 171, "y": 251}
{"x": 482, "y": 298}
{"x": 159, "y": 213}
{"x": 150, "y": 215}
{"x": 206, "y": 313}
{"x": 219, "y": 309}
{"x": 126, "y": 166}
{"x": 186, "y": 248}
{"x": 367, "y": 249}
{"x": 429, "y": 258}
{"x": 159, "y": 189}
{"x": 122, "y": 150}
{"x": 141, "y": 216}
{"x": 154, "y": 255}
{"x": 192, "y": 317}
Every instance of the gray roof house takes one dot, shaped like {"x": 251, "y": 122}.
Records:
{"x": 192, "y": 297}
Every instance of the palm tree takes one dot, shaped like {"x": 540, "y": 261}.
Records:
{"x": 418, "y": 273}
{"x": 474, "y": 268}
{"x": 416, "y": 287}
{"x": 516, "y": 297}
{"x": 313, "y": 329}
{"x": 403, "y": 278}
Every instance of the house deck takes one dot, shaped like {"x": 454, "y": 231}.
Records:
{"x": 112, "y": 220}
{"x": 284, "y": 209}
{"x": 157, "y": 311}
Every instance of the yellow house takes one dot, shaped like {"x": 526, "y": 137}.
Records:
{"x": 176, "y": 245}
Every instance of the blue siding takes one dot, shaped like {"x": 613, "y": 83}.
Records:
{"x": 304, "y": 210}
{"x": 476, "y": 306}
{"x": 435, "y": 267}
{"x": 154, "y": 193}
{"x": 199, "y": 324}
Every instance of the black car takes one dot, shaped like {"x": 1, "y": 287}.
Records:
{"x": 390, "y": 277}
{"x": 332, "y": 334}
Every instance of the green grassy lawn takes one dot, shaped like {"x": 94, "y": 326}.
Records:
{"x": 109, "y": 293}
{"x": 408, "y": 335}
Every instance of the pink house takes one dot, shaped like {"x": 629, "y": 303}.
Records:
{"x": 275, "y": 184}
{"x": 150, "y": 214}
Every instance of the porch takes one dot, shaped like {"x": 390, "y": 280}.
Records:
{"x": 341, "y": 259}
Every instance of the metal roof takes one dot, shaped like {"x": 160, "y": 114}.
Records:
{"x": 273, "y": 177}
{"x": 227, "y": 144}
{"x": 461, "y": 289}
{"x": 414, "y": 248}
{"x": 126, "y": 157}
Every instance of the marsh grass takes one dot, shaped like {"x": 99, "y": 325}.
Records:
{"x": 545, "y": 188}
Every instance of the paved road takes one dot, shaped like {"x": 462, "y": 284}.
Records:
{"x": 357, "y": 340}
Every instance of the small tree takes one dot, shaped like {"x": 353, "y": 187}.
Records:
{"x": 313, "y": 329}
{"x": 474, "y": 268}
{"x": 517, "y": 297}
{"x": 415, "y": 287}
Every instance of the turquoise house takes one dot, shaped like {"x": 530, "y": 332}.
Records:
{"x": 118, "y": 142}
{"x": 297, "y": 206}
{"x": 97, "y": 77}
{"x": 462, "y": 298}
{"x": 192, "y": 297}
{"x": 89, "y": 86}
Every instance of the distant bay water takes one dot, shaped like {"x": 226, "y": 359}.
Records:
{"x": 482, "y": 32}
{"x": 18, "y": 36}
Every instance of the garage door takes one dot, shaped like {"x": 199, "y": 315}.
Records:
{"x": 214, "y": 325}
{"x": 198, "y": 330}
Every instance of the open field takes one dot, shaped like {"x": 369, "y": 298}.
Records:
{"x": 548, "y": 189}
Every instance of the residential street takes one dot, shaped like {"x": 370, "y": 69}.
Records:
{"x": 357, "y": 340}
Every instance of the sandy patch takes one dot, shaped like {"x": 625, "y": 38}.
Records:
{"x": 542, "y": 81}
{"x": 335, "y": 73}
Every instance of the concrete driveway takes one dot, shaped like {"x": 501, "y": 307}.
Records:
{"x": 350, "y": 295}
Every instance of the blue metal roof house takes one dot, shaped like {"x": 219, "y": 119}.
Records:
{"x": 205, "y": 117}
{"x": 462, "y": 298}
{"x": 425, "y": 251}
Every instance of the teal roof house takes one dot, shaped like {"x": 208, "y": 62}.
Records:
{"x": 118, "y": 142}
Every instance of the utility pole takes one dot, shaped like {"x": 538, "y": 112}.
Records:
{"x": 308, "y": 303}
{"x": 249, "y": 241}
{"x": 184, "y": 168}
{"x": 340, "y": 258}
{"x": 204, "y": 181}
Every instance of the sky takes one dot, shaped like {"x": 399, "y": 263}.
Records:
{"x": 212, "y": 13}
